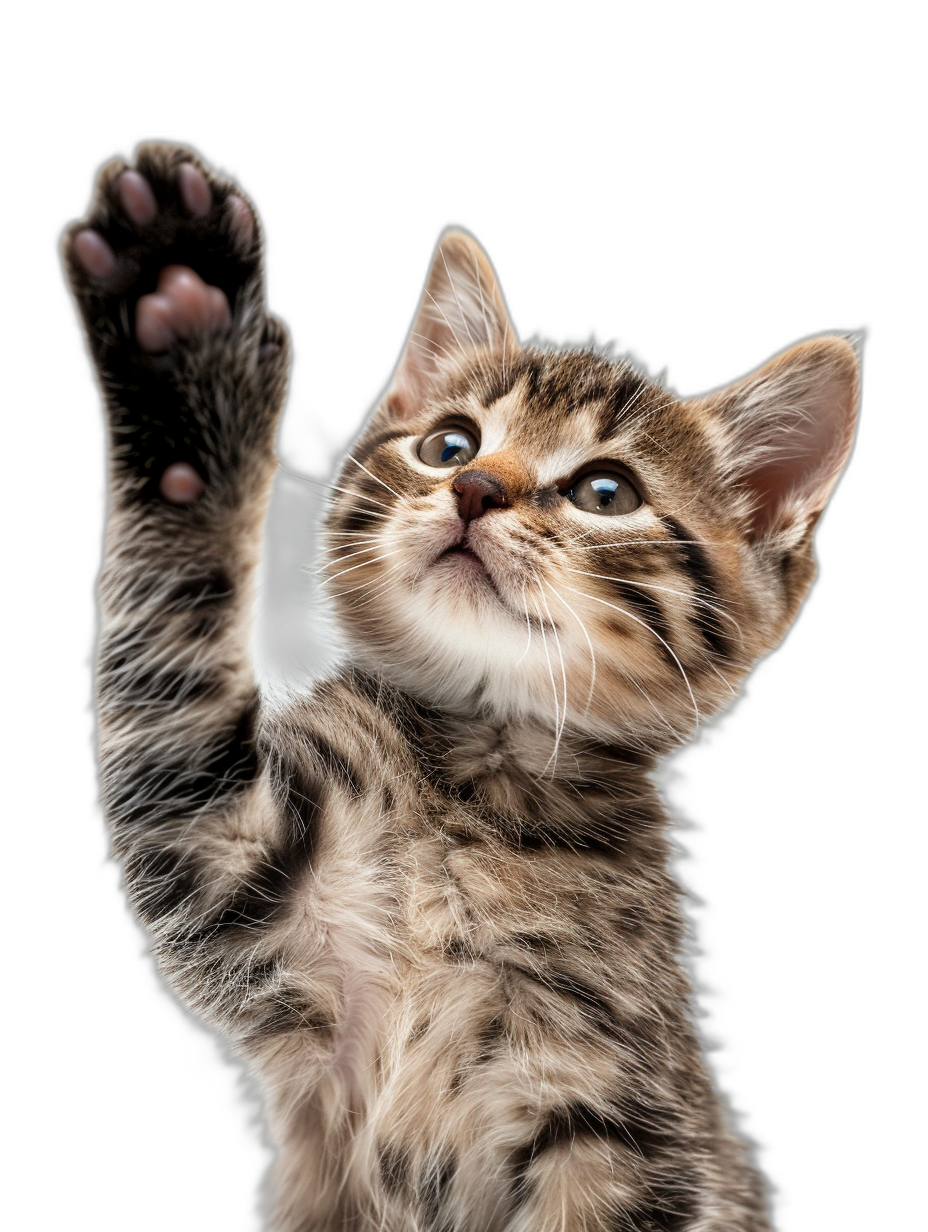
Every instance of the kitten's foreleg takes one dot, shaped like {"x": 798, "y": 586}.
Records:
{"x": 167, "y": 273}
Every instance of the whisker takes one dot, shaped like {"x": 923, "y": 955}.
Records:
{"x": 361, "y": 565}
{"x": 557, "y": 641}
{"x": 388, "y": 581}
{"x": 583, "y": 629}
{"x": 330, "y": 564}
{"x": 694, "y": 500}
{"x": 645, "y": 625}
{"x": 528, "y": 625}
{"x": 633, "y": 543}
{"x": 640, "y": 419}
{"x": 337, "y": 547}
{"x": 343, "y": 534}
{"x": 675, "y": 731}
{"x": 695, "y": 598}
{"x": 727, "y": 683}
{"x": 557, "y": 712}
{"x": 334, "y": 487}
{"x": 352, "y": 458}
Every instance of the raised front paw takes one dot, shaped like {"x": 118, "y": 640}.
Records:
{"x": 167, "y": 272}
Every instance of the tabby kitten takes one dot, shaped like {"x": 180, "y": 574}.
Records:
{"x": 429, "y": 900}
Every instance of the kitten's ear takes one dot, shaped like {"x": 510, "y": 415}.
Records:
{"x": 461, "y": 310}
{"x": 790, "y": 426}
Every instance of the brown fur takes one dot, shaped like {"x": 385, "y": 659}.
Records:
{"x": 429, "y": 900}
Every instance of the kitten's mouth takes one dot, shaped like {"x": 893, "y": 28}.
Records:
{"x": 461, "y": 549}
{"x": 471, "y": 563}
{"x": 463, "y": 558}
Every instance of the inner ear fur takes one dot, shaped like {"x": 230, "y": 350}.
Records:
{"x": 461, "y": 311}
{"x": 788, "y": 430}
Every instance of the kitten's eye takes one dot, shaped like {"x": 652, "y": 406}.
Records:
{"x": 448, "y": 447}
{"x": 604, "y": 492}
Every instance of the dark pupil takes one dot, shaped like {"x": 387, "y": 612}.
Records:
{"x": 454, "y": 443}
{"x": 605, "y": 489}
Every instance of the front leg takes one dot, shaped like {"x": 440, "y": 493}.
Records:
{"x": 166, "y": 270}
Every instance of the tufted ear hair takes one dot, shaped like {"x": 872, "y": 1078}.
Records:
{"x": 461, "y": 311}
{"x": 788, "y": 430}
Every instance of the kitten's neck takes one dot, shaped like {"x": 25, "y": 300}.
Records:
{"x": 525, "y": 777}
{"x": 484, "y": 748}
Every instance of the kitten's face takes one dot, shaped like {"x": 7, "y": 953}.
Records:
{"x": 549, "y": 536}
{"x": 611, "y": 582}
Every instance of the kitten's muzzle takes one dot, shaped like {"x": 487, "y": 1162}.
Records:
{"x": 478, "y": 491}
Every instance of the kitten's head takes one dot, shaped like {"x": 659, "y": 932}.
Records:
{"x": 525, "y": 533}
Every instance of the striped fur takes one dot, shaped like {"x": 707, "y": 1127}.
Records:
{"x": 429, "y": 900}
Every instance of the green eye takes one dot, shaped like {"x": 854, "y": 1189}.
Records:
{"x": 448, "y": 447}
{"x": 604, "y": 492}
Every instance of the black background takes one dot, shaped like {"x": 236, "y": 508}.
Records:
{"x": 701, "y": 259}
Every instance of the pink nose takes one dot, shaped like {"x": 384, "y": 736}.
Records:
{"x": 477, "y": 492}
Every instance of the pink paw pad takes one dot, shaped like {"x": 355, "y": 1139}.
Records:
{"x": 195, "y": 191}
{"x": 137, "y": 198}
{"x": 94, "y": 254}
{"x": 181, "y": 485}
{"x": 182, "y": 305}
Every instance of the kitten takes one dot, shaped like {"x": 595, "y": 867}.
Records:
{"x": 429, "y": 900}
